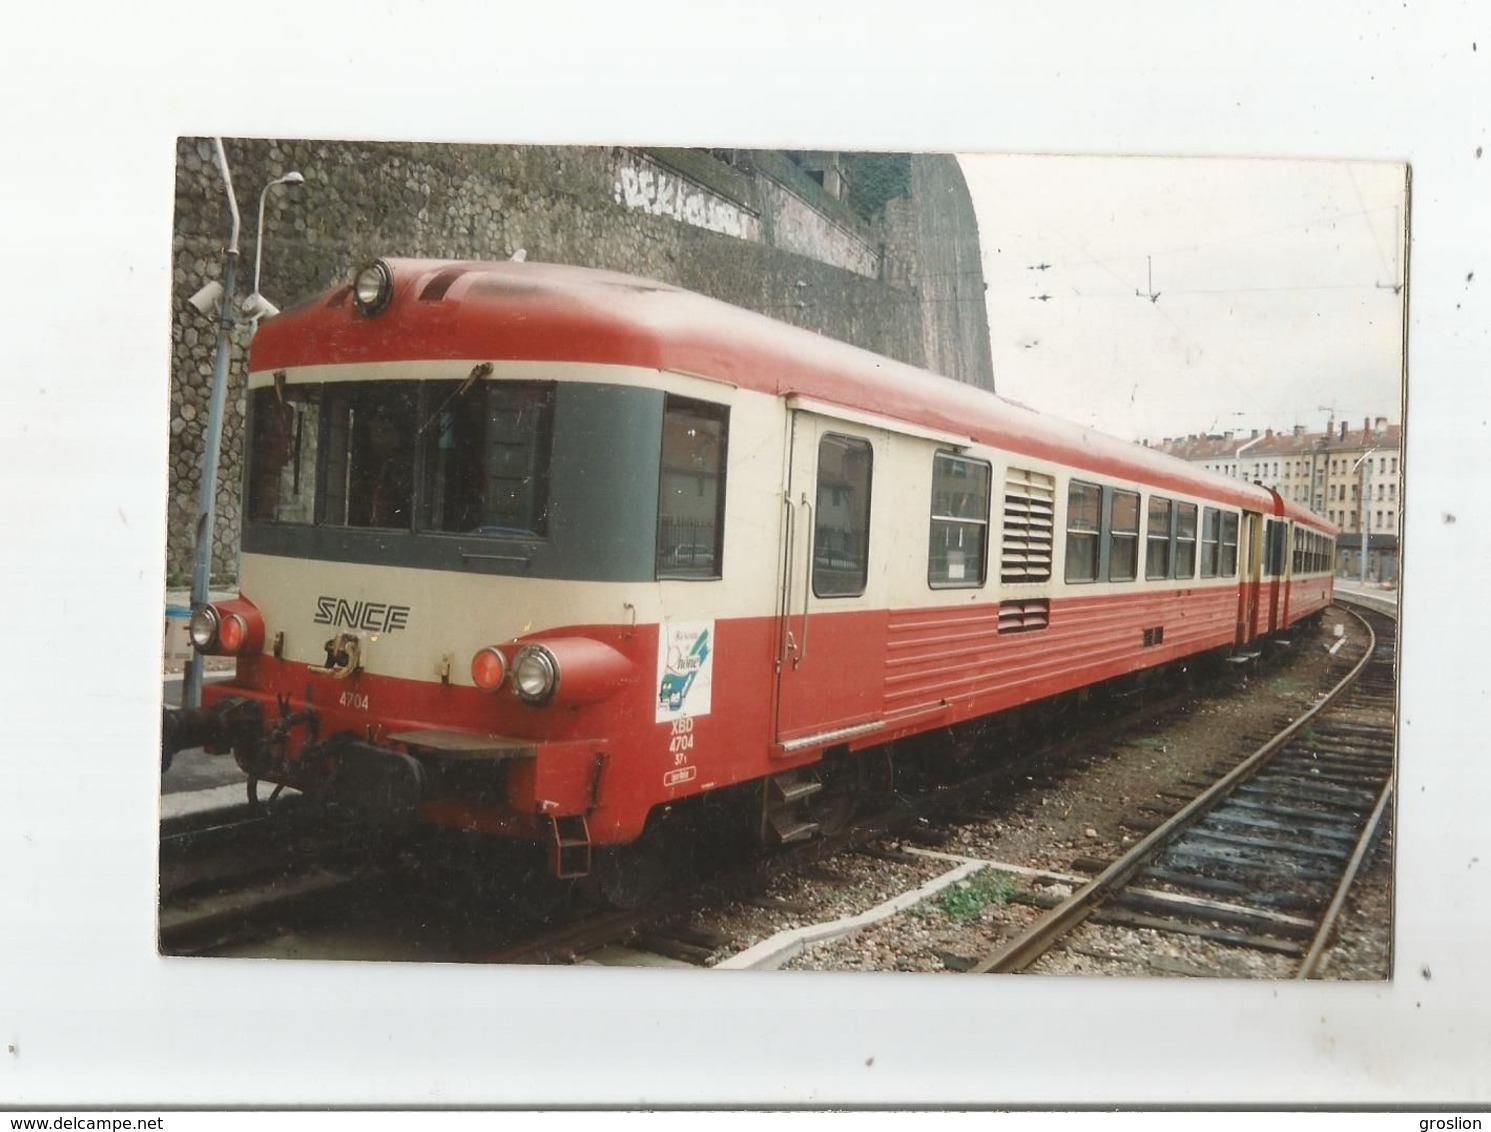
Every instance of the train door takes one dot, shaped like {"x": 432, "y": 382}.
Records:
{"x": 1251, "y": 561}
{"x": 1275, "y": 563}
{"x": 1286, "y": 579}
{"x": 831, "y": 634}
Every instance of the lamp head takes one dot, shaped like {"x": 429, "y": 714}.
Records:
{"x": 205, "y": 301}
{"x": 256, "y": 306}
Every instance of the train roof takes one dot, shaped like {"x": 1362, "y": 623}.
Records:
{"x": 548, "y": 312}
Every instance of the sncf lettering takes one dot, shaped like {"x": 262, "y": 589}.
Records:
{"x": 369, "y": 616}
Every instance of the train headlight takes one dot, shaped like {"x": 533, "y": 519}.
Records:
{"x": 372, "y": 288}
{"x": 535, "y": 674}
{"x": 203, "y": 628}
{"x": 488, "y": 669}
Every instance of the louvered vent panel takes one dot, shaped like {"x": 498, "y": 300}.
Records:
{"x": 1029, "y": 521}
{"x": 1024, "y": 616}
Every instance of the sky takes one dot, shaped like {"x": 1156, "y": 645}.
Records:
{"x": 1156, "y": 297}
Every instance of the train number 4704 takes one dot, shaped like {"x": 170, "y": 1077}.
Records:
{"x": 358, "y": 700}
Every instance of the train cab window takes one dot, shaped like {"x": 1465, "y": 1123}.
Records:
{"x": 1123, "y": 537}
{"x": 485, "y": 464}
{"x": 285, "y": 439}
{"x": 1157, "y": 538}
{"x": 1185, "y": 540}
{"x": 1084, "y": 515}
{"x": 370, "y": 441}
{"x": 691, "y": 489}
{"x": 958, "y": 553}
{"x": 1211, "y": 528}
{"x": 1227, "y": 563}
{"x": 841, "y": 531}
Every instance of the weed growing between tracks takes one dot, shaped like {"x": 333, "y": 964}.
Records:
{"x": 965, "y": 901}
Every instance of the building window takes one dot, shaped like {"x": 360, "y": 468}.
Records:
{"x": 691, "y": 490}
{"x": 960, "y": 522}
{"x": 1123, "y": 537}
{"x": 1084, "y": 509}
{"x": 841, "y": 533}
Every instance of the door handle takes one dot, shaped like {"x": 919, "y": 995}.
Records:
{"x": 807, "y": 580}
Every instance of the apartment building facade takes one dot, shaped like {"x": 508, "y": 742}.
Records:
{"x": 1352, "y": 477}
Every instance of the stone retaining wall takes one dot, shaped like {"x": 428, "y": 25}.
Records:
{"x": 580, "y": 205}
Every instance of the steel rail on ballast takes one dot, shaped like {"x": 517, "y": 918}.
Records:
{"x": 1036, "y": 940}
{"x": 1311, "y": 961}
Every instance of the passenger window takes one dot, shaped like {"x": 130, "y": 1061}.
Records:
{"x": 1084, "y": 510}
{"x": 1227, "y": 567}
{"x": 960, "y": 522}
{"x": 841, "y": 532}
{"x": 691, "y": 489}
{"x": 1157, "y": 549}
{"x": 1274, "y": 549}
{"x": 1211, "y": 526}
{"x": 1185, "y": 540}
{"x": 1123, "y": 537}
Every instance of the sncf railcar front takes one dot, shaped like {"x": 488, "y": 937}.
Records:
{"x": 481, "y": 578}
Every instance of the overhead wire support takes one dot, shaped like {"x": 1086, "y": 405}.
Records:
{"x": 1151, "y": 294}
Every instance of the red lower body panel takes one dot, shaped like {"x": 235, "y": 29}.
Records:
{"x": 872, "y": 674}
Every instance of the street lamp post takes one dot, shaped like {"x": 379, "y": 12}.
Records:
{"x": 256, "y": 305}
{"x": 191, "y": 692}
{"x": 1364, "y": 462}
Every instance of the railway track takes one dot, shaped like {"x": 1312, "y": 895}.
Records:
{"x": 655, "y": 928}
{"x": 221, "y": 890}
{"x": 1265, "y": 858}
{"x": 238, "y": 875}
{"x": 926, "y": 816}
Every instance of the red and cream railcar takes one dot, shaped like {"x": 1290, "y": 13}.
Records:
{"x": 536, "y": 550}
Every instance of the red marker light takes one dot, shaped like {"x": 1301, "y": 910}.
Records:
{"x": 232, "y": 633}
{"x": 488, "y": 669}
